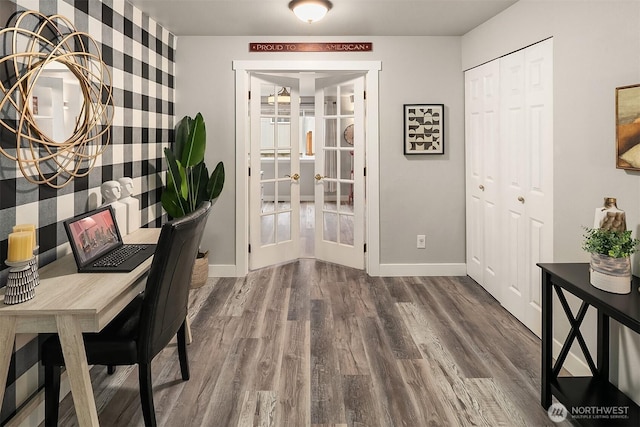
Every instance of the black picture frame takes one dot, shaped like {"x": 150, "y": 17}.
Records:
{"x": 628, "y": 127}
{"x": 423, "y": 129}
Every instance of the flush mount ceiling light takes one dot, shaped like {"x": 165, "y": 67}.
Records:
{"x": 284, "y": 97}
{"x": 310, "y": 10}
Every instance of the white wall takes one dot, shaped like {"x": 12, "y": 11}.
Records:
{"x": 419, "y": 194}
{"x": 596, "y": 45}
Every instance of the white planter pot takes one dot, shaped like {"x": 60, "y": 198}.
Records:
{"x": 611, "y": 274}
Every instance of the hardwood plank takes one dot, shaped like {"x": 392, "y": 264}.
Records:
{"x": 391, "y": 396}
{"x": 248, "y": 409}
{"x": 400, "y": 340}
{"x": 294, "y": 400}
{"x": 237, "y": 376}
{"x": 254, "y": 308}
{"x": 447, "y": 379}
{"x": 361, "y": 298}
{"x": 424, "y": 396}
{"x": 269, "y": 360}
{"x": 352, "y": 359}
{"x": 321, "y": 274}
{"x": 214, "y": 295}
{"x": 451, "y": 325}
{"x": 359, "y": 404}
{"x": 327, "y": 404}
{"x": 238, "y": 297}
{"x": 266, "y": 409}
{"x": 300, "y": 290}
{"x": 494, "y": 405}
{"x": 499, "y": 345}
{"x": 207, "y": 355}
{"x": 258, "y": 409}
{"x": 397, "y": 289}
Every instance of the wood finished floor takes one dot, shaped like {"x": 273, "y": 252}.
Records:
{"x": 315, "y": 344}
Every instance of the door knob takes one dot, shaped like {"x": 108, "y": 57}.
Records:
{"x": 294, "y": 177}
{"x": 521, "y": 199}
{"x": 481, "y": 187}
{"x": 318, "y": 177}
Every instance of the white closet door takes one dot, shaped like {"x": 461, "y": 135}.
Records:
{"x": 483, "y": 166}
{"x": 509, "y": 162}
{"x": 527, "y": 142}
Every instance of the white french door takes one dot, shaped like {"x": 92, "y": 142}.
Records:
{"x": 274, "y": 184}
{"x": 339, "y": 170}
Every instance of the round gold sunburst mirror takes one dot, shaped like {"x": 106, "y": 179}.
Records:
{"x": 56, "y": 98}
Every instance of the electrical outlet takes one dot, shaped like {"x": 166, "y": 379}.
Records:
{"x": 421, "y": 241}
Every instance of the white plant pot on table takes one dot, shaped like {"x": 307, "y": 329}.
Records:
{"x": 611, "y": 274}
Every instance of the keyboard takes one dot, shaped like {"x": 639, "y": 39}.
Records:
{"x": 118, "y": 256}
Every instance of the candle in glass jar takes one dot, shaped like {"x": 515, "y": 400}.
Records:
{"x": 20, "y": 246}
{"x": 30, "y": 228}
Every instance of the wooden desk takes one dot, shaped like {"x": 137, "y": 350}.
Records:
{"x": 595, "y": 391}
{"x": 69, "y": 303}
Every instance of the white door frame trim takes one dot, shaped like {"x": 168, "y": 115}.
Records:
{"x": 372, "y": 208}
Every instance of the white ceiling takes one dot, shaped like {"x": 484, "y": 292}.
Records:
{"x": 347, "y": 18}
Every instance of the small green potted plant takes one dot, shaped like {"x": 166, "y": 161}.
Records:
{"x": 610, "y": 258}
{"x": 188, "y": 181}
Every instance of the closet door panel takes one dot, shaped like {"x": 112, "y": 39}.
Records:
{"x": 482, "y": 164}
{"x": 514, "y": 146}
{"x": 538, "y": 62}
{"x": 474, "y": 173}
{"x": 509, "y": 146}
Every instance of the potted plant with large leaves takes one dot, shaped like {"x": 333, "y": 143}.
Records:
{"x": 188, "y": 180}
{"x": 610, "y": 266}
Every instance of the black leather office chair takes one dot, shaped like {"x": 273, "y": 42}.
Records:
{"x": 146, "y": 325}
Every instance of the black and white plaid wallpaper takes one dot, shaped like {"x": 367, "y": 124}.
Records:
{"x": 140, "y": 55}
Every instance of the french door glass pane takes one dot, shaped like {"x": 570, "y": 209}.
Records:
{"x": 284, "y": 192}
{"x": 284, "y": 226}
{"x": 330, "y": 164}
{"x": 267, "y": 229}
{"x": 346, "y": 99}
{"x": 268, "y": 196}
{"x": 348, "y": 133}
{"x": 346, "y": 229}
{"x": 346, "y": 197}
{"x": 330, "y": 133}
{"x": 346, "y": 164}
{"x": 330, "y": 229}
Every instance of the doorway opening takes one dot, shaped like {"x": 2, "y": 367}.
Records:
{"x": 307, "y": 136}
{"x": 305, "y": 139}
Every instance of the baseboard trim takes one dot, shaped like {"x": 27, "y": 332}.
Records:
{"x": 223, "y": 270}
{"x": 573, "y": 363}
{"x": 445, "y": 269}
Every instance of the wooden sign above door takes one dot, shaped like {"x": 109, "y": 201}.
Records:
{"x": 311, "y": 47}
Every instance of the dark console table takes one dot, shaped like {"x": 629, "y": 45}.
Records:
{"x": 594, "y": 399}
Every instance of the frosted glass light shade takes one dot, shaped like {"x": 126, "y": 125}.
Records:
{"x": 310, "y": 10}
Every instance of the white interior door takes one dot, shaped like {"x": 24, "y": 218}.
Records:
{"x": 527, "y": 141}
{"x": 339, "y": 170}
{"x": 274, "y": 183}
{"x": 482, "y": 105}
